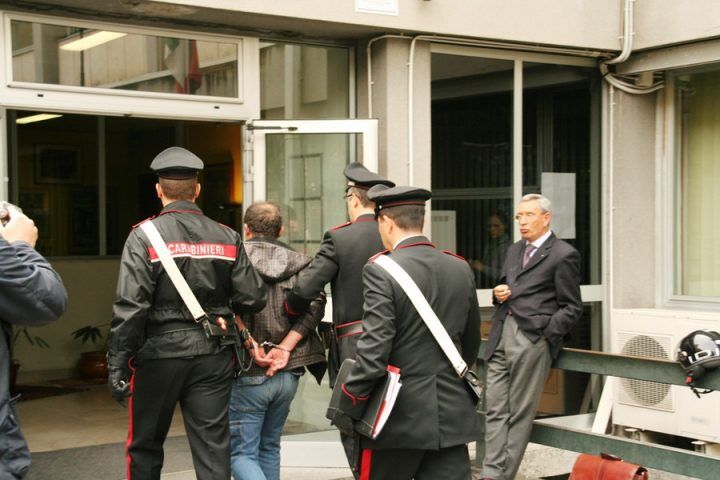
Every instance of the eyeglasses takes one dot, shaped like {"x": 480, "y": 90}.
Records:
{"x": 346, "y": 196}
{"x": 529, "y": 216}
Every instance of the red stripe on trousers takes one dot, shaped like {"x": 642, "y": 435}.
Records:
{"x": 365, "y": 464}
{"x": 128, "y": 460}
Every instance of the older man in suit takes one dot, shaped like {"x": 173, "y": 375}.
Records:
{"x": 538, "y": 302}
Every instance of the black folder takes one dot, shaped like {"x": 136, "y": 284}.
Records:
{"x": 379, "y": 405}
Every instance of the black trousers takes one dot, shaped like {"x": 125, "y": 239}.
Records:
{"x": 452, "y": 463}
{"x": 351, "y": 445}
{"x": 202, "y": 386}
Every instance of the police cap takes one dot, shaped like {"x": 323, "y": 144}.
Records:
{"x": 176, "y": 163}
{"x": 360, "y": 177}
{"x": 386, "y": 197}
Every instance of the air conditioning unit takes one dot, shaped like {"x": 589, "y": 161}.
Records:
{"x": 658, "y": 407}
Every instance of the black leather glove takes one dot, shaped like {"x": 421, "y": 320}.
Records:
{"x": 344, "y": 423}
{"x": 119, "y": 385}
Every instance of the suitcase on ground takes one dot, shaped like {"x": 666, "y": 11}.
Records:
{"x": 606, "y": 467}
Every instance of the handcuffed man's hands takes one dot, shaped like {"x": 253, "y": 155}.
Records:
{"x": 119, "y": 385}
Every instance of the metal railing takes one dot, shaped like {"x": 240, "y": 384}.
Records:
{"x": 650, "y": 455}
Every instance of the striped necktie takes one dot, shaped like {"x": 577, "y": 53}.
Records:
{"x": 528, "y": 252}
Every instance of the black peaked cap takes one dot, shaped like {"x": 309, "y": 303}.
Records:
{"x": 361, "y": 177}
{"x": 385, "y": 197}
{"x": 176, "y": 163}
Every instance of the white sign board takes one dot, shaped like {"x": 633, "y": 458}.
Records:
{"x": 383, "y": 7}
{"x": 560, "y": 189}
{"x": 444, "y": 229}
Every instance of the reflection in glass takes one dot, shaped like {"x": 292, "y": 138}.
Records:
{"x": 304, "y": 175}
{"x": 81, "y": 57}
{"x": 304, "y": 81}
{"x": 561, "y": 154}
{"x": 472, "y": 159}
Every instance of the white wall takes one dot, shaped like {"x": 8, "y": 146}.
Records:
{"x": 633, "y": 200}
{"x": 585, "y": 23}
{"x": 576, "y": 23}
{"x": 91, "y": 291}
{"x": 667, "y": 22}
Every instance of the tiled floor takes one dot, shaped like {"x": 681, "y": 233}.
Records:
{"x": 91, "y": 418}
{"x": 78, "y": 420}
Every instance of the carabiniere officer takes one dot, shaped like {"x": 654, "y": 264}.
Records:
{"x": 157, "y": 354}
{"x": 344, "y": 251}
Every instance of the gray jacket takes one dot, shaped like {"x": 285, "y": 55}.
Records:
{"x": 279, "y": 265}
{"x": 31, "y": 293}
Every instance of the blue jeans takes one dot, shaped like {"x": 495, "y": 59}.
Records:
{"x": 259, "y": 407}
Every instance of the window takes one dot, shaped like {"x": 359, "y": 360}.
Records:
{"x": 304, "y": 171}
{"x": 119, "y": 59}
{"x": 304, "y": 82}
{"x": 697, "y": 245}
{"x": 476, "y": 168}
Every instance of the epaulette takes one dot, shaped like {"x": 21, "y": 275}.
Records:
{"x": 374, "y": 257}
{"x": 340, "y": 226}
{"x": 454, "y": 255}
{"x": 143, "y": 221}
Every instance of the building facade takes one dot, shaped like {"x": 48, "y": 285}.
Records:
{"x": 608, "y": 108}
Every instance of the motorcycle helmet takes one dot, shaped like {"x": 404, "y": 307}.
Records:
{"x": 697, "y": 352}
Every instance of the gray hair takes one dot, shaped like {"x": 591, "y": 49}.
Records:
{"x": 544, "y": 202}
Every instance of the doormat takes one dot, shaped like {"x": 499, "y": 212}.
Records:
{"x": 53, "y": 388}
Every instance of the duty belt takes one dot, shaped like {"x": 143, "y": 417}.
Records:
{"x": 171, "y": 326}
{"x": 348, "y": 329}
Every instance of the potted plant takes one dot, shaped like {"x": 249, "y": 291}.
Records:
{"x": 93, "y": 364}
{"x": 20, "y": 333}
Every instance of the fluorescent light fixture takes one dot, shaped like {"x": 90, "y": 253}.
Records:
{"x": 92, "y": 39}
{"x": 37, "y": 118}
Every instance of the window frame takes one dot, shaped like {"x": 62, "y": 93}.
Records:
{"x": 668, "y": 206}
{"x": 92, "y": 100}
{"x": 595, "y": 292}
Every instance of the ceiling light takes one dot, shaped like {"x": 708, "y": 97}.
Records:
{"x": 93, "y": 39}
{"x": 37, "y": 118}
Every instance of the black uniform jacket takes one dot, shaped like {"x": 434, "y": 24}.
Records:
{"x": 150, "y": 319}
{"x": 344, "y": 252}
{"x": 545, "y": 295}
{"x": 434, "y": 408}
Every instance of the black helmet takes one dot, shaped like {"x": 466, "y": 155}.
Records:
{"x": 697, "y": 352}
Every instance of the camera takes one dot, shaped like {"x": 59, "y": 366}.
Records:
{"x": 5, "y": 212}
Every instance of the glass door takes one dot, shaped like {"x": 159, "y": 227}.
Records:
{"x": 299, "y": 165}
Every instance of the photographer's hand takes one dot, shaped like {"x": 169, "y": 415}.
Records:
{"x": 20, "y": 228}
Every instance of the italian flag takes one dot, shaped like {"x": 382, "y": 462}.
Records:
{"x": 181, "y": 58}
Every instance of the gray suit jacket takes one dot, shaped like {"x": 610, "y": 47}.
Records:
{"x": 545, "y": 298}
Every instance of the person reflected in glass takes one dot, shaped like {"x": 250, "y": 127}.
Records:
{"x": 487, "y": 270}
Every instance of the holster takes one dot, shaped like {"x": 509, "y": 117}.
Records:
{"x": 326, "y": 333}
{"x": 333, "y": 351}
{"x": 606, "y": 467}
{"x": 229, "y": 337}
